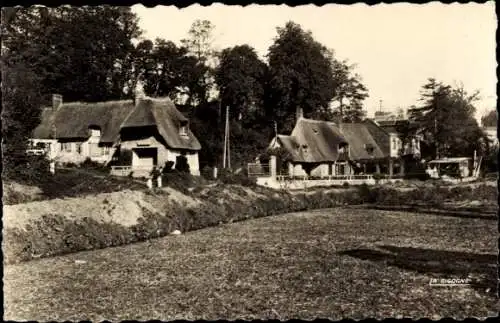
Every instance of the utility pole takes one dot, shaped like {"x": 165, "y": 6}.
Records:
{"x": 435, "y": 124}
{"x": 341, "y": 111}
{"x": 228, "y": 140}
{"x": 226, "y": 154}
{"x": 435, "y": 137}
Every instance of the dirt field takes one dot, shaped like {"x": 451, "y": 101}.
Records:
{"x": 329, "y": 264}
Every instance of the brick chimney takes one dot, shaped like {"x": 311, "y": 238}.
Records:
{"x": 299, "y": 113}
{"x": 57, "y": 101}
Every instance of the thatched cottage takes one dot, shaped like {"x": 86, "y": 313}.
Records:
{"x": 314, "y": 147}
{"x": 322, "y": 148}
{"x": 150, "y": 132}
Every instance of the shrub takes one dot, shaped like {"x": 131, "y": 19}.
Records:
{"x": 227, "y": 177}
{"x": 367, "y": 194}
{"x": 422, "y": 176}
{"x": 168, "y": 168}
{"x": 207, "y": 172}
{"x": 93, "y": 165}
{"x": 69, "y": 165}
{"x": 182, "y": 181}
{"x": 37, "y": 169}
{"x": 181, "y": 164}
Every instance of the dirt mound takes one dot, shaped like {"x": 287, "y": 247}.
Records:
{"x": 58, "y": 226}
{"x": 122, "y": 208}
{"x": 178, "y": 197}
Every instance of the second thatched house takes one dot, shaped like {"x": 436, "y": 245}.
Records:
{"x": 138, "y": 136}
{"x": 321, "y": 148}
{"x": 315, "y": 148}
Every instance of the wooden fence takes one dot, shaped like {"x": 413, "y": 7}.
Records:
{"x": 258, "y": 170}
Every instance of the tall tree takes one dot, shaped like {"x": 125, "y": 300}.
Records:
{"x": 200, "y": 40}
{"x": 349, "y": 93}
{"x": 83, "y": 53}
{"x": 301, "y": 75}
{"x": 165, "y": 68}
{"x": 20, "y": 116}
{"x": 240, "y": 79}
{"x": 200, "y": 44}
{"x": 490, "y": 119}
{"x": 446, "y": 120}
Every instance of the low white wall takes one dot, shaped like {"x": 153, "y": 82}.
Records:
{"x": 304, "y": 184}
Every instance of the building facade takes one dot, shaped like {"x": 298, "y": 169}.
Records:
{"x": 151, "y": 131}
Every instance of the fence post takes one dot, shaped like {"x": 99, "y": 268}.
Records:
{"x": 159, "y": 181}
{"x": 272, "y": 166}
{"x": 150, "y": 183}
{"x": 215, "y": 172}
{"x": 53, "y": 167}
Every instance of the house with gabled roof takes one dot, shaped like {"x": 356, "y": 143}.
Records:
{"x": 316, "y": 147}
{"x": 323, "y": 148}
{"x": 150, "y": 131}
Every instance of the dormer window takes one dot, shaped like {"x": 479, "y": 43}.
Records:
{"x": 94, "y": 131}
{"x": 369, "y": 148}
{"x": 183, "y": 129}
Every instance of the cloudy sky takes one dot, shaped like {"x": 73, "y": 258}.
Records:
{"x": 396, "y": 46}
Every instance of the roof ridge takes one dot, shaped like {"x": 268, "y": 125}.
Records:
{"x": 314, "y": 120}
{"x": 102, "y": 103}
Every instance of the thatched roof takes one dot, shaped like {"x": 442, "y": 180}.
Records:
{"x": 313, "y": 141}
{"x": 163, "y": 114}
{"x": 72, "y": 121}
{"x": 391, "y": 126}
{"x": 291, "y": 145}
{"x": 362, "y": 145}
{"x": 380, "y": 135}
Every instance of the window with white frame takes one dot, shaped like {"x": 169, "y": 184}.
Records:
{"x": 369, "y": 148}
{"x": 340, "y": 169}
{"x": 183, "y": 129}
{"x": 66, "y": 147}
{"x": 95, "y": 150}
{"x": 94, "y": 132}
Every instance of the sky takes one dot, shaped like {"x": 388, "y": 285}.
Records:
{"x": 396, "y": 47}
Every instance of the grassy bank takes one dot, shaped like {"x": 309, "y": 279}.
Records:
{"x": 54, "y": 227}
{"x": 46, "y": 228}
{"x": 66, "y": 183}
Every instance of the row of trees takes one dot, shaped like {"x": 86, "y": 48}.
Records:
{"x": 90, "y": 54}
{"x": 445, "y": 119}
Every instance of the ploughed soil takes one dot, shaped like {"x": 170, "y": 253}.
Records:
{"x": 330, "y": 263}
